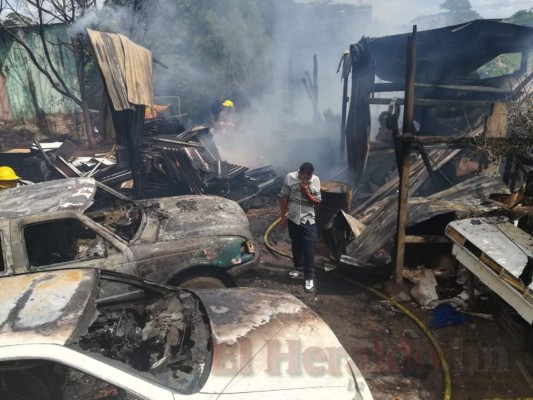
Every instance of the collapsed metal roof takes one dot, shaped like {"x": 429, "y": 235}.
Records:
{"x": 126, "y": 67}
{"x": 450, "y": 96}
{"x": 377, "y": 223}
{"x": 449, "y": 52}
{"x": 60, "y": 195}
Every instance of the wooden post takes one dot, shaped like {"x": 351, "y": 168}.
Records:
{"x": 405, "y": 154}
{"x": 343, "y": 118}
{"x": 315, "y": 79}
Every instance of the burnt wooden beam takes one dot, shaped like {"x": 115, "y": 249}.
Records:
{"x": 178, "y": 144}
{"x": 435, "y": 180}
{"x": 465, "y": 141}
{"x": 405, "y": 156}
{"x": 397, "y": 86}
{"x": 345, "y": 100}
{"x": 432, "y": 102}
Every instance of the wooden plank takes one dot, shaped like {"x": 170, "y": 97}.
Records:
{"x": 497, "y": 121}
{"x": 414, "y": 239}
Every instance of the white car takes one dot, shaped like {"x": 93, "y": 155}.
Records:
{"x": 95, "y": 334}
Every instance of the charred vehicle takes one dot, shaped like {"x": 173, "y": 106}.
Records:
{"x": 95, "y": 334}
{"x": 200, "y": 241}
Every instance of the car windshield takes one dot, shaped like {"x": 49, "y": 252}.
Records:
{"x": 115, "y": 212}
{"x": 160, "y": 335}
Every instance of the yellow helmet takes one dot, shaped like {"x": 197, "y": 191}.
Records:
{"x": 7, "y": 174}
{"x": 228, "y": 103}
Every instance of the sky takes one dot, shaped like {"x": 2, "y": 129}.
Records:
{"x": 399, "y": 12}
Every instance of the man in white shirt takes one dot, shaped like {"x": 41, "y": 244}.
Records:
{"x": 299, "y": 195}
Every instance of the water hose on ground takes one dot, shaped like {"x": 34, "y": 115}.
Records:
{"x": 420, "y": 324}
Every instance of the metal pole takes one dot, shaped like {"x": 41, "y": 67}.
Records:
{"x": 403, "y": 195}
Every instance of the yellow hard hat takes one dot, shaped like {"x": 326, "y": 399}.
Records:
{"x": 7, "y": 174}
{"x": 228, "y": 103}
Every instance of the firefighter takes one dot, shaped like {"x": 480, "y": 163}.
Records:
{"x": 225, "y": 118}
{"x": 8, "y": 178}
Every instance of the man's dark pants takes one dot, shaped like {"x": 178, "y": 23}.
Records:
{"x": 303, "y": 242}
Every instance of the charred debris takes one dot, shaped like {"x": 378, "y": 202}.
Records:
{"x": 150, "y": 158}
{"x": 437, "y": 156}
{"x": 174, "y": 161}
{"x": 452, "y": 121}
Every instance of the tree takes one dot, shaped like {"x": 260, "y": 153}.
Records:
{"x": 522, "y": 17}
{"x": 459, "y": 11}
{"x": 211, "y": 49}
{"x": 37, "y": 15}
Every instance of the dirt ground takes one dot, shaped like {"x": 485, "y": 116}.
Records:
{"x": 396, "y": 358}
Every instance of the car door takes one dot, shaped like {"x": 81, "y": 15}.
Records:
{"x": 68, "y": 240}
{"x": 54, "y": 372}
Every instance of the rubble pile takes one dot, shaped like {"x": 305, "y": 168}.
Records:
{"x": 174, "y": 163}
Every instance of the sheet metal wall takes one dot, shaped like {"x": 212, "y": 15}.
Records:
{"x": 27, "y": 93}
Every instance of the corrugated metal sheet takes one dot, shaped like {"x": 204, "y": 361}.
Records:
{"x": 27, "y": 91}
{"x": 65, "y": 194}
{"x": 126, "y": 67}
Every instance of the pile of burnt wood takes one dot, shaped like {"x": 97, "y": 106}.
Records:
{"x": 176, "y": 161}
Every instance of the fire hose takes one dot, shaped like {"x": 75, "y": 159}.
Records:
{"x": 417, "y": 321}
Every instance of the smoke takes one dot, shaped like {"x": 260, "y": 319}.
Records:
{"x": 256, "y": 53}
{"x": 107, "y": 19}
{"x": 277, "y": 125}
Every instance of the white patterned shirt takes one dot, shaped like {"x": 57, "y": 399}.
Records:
{"x": 300, "y": 210}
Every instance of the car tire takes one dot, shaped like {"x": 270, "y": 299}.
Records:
{"x": 202, "y": 282}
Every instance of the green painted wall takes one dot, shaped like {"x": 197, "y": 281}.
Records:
{"x": 28, "y": 89}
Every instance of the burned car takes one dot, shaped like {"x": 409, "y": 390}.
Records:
{"x": 199, "y": 241}
{"x": 96, "y": 334}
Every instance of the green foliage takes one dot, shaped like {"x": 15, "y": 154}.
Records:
{"x": 522, "y": 17}
{"x": 508, "y": 63}
{"x": 501, "y": 65}
{"x": 459, "y": 11}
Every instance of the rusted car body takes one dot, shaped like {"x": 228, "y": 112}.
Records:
{"x": 196, "y": 240}
{"x": 66, "y": 332}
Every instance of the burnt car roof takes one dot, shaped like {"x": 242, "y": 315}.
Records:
{"x": 44, "y": 307}
{"x": 65, "y": 194}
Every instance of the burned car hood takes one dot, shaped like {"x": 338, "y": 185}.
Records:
{"x": 197, "y": 216}
{"x": 265, "y": 341}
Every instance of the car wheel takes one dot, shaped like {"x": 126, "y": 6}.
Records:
{"x": 202, "y": 282}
